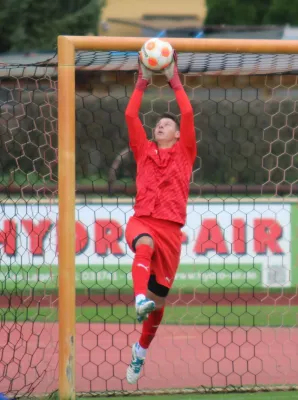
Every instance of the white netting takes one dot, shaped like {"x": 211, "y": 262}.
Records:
{"x": 230, "y": 319}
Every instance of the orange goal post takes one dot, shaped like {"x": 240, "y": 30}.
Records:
{"x": 67, "y": 46}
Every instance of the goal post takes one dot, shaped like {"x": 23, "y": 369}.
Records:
{"x": 67, "y": 45}
{"x": 66, "y": 232}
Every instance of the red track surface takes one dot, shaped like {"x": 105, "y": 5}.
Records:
{"x": 180, "y": 356}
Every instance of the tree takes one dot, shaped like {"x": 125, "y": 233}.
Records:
{"x": 8, "y": 16}
{"x": 236, "y": 12}
{"x": 229, "y": 12}
{"x": 282, "y": 12}
{"x": 35, "y": 25}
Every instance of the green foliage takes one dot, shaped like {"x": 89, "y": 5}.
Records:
{"x": 282, "y": 12}
{"x": 35, "y": 25}
{"x": 253, "y": 12}
{"x": 232, "y": 12}
{"x": 8, "y": 16}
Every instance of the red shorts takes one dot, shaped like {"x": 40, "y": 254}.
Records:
{"x": 167, "y": 238}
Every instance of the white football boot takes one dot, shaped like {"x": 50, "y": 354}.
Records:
{"x": 143, "y": 308}
{"x": 135, "y": 367}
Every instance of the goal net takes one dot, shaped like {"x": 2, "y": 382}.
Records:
{"x": 231, "y": 318}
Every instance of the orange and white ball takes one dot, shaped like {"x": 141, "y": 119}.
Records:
{"x": 156, "y": 54}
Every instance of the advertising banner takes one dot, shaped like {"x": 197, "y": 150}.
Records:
{"x": 225, "y": 244}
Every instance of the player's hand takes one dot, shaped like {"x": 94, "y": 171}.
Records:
{"x": 144, "y": 71}
{"x": 172, "y": 74}
{"x": 172, "y": 69}
{"x": 144, "y": 76}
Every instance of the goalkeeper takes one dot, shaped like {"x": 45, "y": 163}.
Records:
{"x": 153, "y": 233}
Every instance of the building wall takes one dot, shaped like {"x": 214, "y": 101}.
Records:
{"x": 135, "y": 9}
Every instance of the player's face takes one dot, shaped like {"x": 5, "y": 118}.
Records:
{"x": 166, "y": 132}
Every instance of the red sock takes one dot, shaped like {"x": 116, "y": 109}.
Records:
{"x": 141, "y": 269}
{"x": 150, "y": 327}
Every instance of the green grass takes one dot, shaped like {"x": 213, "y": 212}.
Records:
{"x": 230, "y": 396}
{"x": 283, "y": 316}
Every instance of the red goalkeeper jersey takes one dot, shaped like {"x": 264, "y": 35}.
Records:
{"x": 163, "y": 175}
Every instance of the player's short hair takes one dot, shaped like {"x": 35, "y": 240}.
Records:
{"x": 171, "y": 116}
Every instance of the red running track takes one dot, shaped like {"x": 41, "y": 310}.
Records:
{"x": 180, "y": 356}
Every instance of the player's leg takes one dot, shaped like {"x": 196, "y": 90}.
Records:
{"x": 140, "y": 239}
{"x": 144, "y": 248}
{"x": 167, "y": 247}
{"x": 156, "y": 293}
{"x": 164, "y": 267}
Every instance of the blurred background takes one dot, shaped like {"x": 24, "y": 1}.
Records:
{"x": 29, "y": 41}
{"x": 272, "y": 19}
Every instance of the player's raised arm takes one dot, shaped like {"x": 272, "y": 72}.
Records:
{"x": 136, "y": 131}
{"x": 187, "y": 128}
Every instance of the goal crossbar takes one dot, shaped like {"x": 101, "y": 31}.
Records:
{"x": 67, "y": 46}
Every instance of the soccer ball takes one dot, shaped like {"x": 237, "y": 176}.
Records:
{"x": 156, "y": 54}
